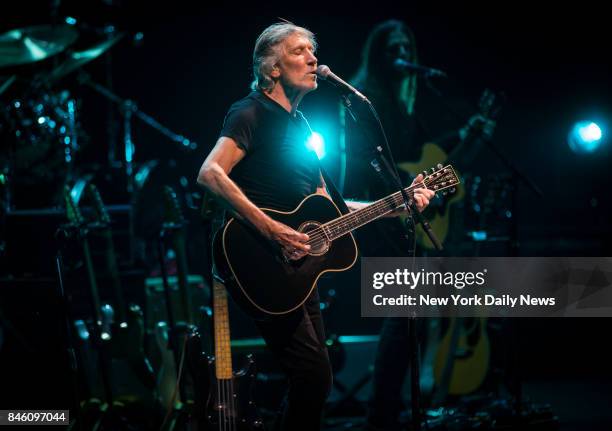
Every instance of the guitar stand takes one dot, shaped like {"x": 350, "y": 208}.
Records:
{"x": 70, "y": 348}
{"x": 96, "y": 415}
{"x": 179, "y": 417}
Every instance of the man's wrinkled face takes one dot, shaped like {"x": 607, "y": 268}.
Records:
{"x": 297, "y": 65}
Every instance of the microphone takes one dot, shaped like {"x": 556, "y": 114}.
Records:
{"x": 325, "y": 73}
{"x": 404, "y": 66}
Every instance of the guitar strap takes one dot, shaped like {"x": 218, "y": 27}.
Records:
{"x": 333, "y": 191}
{"x": 331, "y": 187}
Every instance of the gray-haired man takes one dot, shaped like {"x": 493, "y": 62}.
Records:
{"x": 261, "y": 161}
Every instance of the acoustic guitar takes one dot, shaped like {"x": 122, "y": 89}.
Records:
{"x": 264, "y": 284}
{"x": 439, "y": 213}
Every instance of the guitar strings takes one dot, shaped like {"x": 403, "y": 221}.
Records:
{"x": 233, "y": 401}
{"x": 221, "y": 419}
{"x": 319, "y": 236}
{"x": 227, "y": 406}
{"x": 224, "y": 405}
{"x": 381, "y": 203}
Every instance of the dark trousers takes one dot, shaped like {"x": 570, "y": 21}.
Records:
{"x": 298, "y": 342}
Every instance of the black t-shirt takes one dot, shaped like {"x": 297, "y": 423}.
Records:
{"x": 278, "y": 170}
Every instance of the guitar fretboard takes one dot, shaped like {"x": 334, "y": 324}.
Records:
{"x": 355, "y": 219}
{"x": 223, "y": 352}
{"x": 438, "y": 180}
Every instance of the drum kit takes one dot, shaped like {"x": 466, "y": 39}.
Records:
{"x": 41, "y": 82}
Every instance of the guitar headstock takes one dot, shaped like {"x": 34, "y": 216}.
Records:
{"x": 441, "y": 178}
{"x": 72, "y": 210}
{"x": 99, "y": 208}
{"x": 173, "y": 213}
{"x": 489, "y": 105}
{"x": 482, "y": 124}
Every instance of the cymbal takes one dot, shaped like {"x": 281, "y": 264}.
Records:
{"x": 78, "y": 58}
{"x": 32, "y": 44}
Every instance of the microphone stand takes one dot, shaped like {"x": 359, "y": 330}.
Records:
{"x": 417, "y": 218}
{"x": 392, "y": 178}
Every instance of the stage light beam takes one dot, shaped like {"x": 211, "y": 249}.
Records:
{"x": 317, "y": 144}
{"x": 585, "y": 137}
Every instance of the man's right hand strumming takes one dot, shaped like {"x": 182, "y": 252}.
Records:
{"x": 292, "y": 243}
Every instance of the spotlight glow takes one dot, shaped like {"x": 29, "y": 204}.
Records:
{"x": 585, "y": 137}
{"x": 317, "y": 144}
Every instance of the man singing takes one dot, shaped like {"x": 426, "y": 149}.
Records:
{"x": 261, "y": 161}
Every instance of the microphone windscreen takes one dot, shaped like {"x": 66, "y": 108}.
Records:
{"x": 323, "y": 71}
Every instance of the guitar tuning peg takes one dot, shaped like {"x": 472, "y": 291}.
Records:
{"x": 425, "y": 173}
{"x": 439, "y": 166}
{"x": 444, "y": 193}
{"x": 453, "y": 190}
{"x": 433, "y": 170}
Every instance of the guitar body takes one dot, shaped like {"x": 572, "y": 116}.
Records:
{"x": 264, "y": 284}
{"x": 128, "y": 344}
{"x": 221, "y": 414}
{"x": 462, "y": 359}
{"x": 438, "y": 214}
{"x": 166, "y": 372}
{"x": 257, "y": 276}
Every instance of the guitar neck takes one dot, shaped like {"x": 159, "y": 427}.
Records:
{"x": 103, "y": 218}
{"x": 93, "y": 285}
{"x": 440, "y": 179}
{"x": 113, "y": 272}
{"x": 182, "y": 273}
{"x": 223, "y": 352}
{"x": 174, "y": 217}
{"x": 349, "y": 222}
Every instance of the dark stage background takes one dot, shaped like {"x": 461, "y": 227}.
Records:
{"x": 552, "y": 64}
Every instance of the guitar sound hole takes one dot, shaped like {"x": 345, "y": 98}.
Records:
{"x": 318, "y": 241}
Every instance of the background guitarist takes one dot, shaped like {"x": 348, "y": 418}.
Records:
{"x": 409, "y": 122}
{"x": 260, "y": 161}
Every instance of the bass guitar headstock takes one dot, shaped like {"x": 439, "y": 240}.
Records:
{"x": 101, "y": 214}
{"x": 173, "y": 212}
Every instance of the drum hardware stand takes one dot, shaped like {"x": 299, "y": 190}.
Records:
{"x": 128, "y": 110}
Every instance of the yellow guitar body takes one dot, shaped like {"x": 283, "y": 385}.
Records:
{"x": 439, "y": 218}
{"x": 470, "y": 363}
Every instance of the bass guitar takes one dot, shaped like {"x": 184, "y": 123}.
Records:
{"x": 229, "y": 405}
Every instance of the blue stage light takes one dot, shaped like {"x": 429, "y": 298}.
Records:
{"x": 585, "y": 137}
